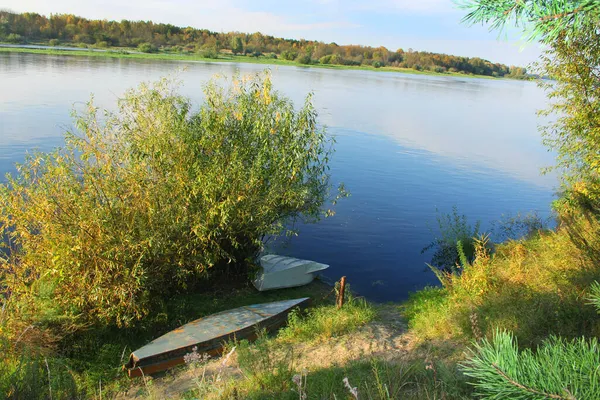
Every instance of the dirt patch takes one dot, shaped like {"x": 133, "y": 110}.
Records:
{"x": 384, "y": 338}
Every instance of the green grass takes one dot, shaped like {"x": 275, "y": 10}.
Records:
{"x": 119, "y": 53}
{"x": 266, "y": 378}
{"x": 532, "y": 287}
{"x": 85, "y": 362}
{"x": 324, "y": 322}
{"x": 269, "y": 363}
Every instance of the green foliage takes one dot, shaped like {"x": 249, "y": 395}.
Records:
{"x": 268, "y": 363}
{"x": 145, "y": 201}
{"x": 324, "y": 322}
{"x": 124, "y": 33}
{"x": 542, "y": 19}
{"x": 532, "y": 287}
{"x": 594, "y": 297}
{"x": 289, "y": 55}
{"x": 304, "y": 59}
{"x": 147, "y": 48}
{"x": 93, "y": 358}
{"x": 558, "y": 369}
{"x": 373, "y": 379}
{"x": 14, "y": 38}
{"x": 53, "y": 42}
{"x": 518, "y": 73}
{"x": 236, "y": 45}
{"x": 456, "y": 245}
{"x": 423, "y": 303}
{"x": 210, "y": 52}
{"x": 572, "y": 61}
{"x": 325, "y": 60}
{"x": 31, "y": 376}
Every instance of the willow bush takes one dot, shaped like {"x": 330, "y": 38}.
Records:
{"x": 143, "y": 201}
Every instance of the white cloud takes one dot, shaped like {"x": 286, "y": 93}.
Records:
{"x": 420, "y": 6}
{"x": 222, "y": 15}
{"x": 400, "y": 6}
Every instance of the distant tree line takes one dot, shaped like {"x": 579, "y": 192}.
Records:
{"x": 148, "y": 36}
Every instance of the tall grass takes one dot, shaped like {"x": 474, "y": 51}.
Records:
{"x": 531, "y": 287}
{"x": 324, "y": 322}
{"x": 366, "y": 379}
{"x": 88, "y": 364}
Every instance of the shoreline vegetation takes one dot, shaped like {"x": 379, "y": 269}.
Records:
{"x": 154, "y": 214}
{"x": 228, "y": 58}
{"x": 157, "y": 40}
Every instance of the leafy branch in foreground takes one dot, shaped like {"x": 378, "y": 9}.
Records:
{"x": 559, "y": 369}
{"x": 574, "y": 63}
{"x": 545, "y": 19}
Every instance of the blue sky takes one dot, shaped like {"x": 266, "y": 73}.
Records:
{"x": 431, "y": 25}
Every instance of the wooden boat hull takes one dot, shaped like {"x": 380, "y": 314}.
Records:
{"x": 209, "y": 334}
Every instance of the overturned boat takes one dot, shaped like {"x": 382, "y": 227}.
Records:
{"x": 284, "y": 272}
{"x": 209, "y": 334}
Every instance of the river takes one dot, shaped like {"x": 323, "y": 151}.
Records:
{"x": 407, "y": 145}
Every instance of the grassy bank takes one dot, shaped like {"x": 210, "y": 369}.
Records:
{"x": 83, "y": 363}
{"x": 226, "y": 58}
{"x": 535, "y": 287}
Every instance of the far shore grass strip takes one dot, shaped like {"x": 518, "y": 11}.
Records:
{"x": 118, "y": 53}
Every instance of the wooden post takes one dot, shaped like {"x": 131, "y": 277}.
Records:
{"x": 340, "y": 299}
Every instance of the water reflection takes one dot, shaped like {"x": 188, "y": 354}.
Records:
{"x": 406, "y": 145}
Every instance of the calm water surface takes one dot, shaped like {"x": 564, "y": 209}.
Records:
{"x": 406, "y": 146}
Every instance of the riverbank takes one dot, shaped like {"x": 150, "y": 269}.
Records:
{"x": 227, "y": 58}
{"x": 434, "y": 346}
{"x": 533, "y": 287}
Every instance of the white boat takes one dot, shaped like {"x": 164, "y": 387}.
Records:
{"x": 284, "y": 272}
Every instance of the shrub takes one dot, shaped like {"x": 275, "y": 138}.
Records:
{"x": 337, "y": 59}
{"x": 559, "y": 369}
{"x": 14, "y": 38}
{"x": 143, "y": 202}
{"x": 325, "y": 59}
{"x": 54, "y": 42}
{"x": 209, "y": 53}
{"x": 289, "y": 55}
{"x": 147, "y": 48}
{"x": 304, "y": 59}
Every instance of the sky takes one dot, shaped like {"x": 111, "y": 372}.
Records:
{"x": 425, "y": 25}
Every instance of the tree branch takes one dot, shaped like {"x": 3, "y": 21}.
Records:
{"x": 530, "y": 390}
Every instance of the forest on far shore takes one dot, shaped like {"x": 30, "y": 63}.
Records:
{"x": 150, "y": 37}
